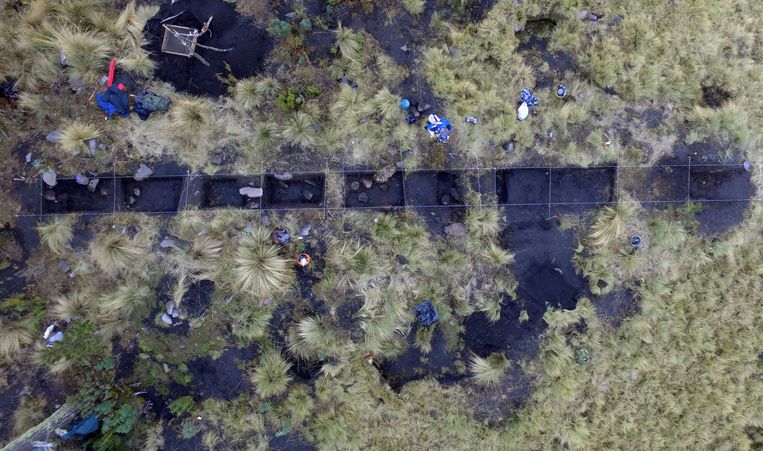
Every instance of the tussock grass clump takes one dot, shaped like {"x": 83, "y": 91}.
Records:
{"x": 386, "y": 104}
{"x": 86, "y": 51}
{"x": 189, "y": 116}
{"x": 114, "y": 253}
{"x": 483, "y": 223}
{"x": 299, "y": 403}
{"x": 414, "y": 7}
{"x": 35, "y": 104}
{"x": 488, "y": 370}
{"x": 271, "y": 377}
{"x": 313, "y": 335}
{"x": 56, "y": 234}
{"x": 349, "y": 43}
{"x": 266, "y": 136}
{"x": 138, "y": 62}
{"x": 299, "y": 130}
{"x": 76, "y": 305}
{"x": 133, "y": 18}
{"x": 258, "y": 268}
{"x": 497, "y": 255}
{"x": 74, "y": 136}
{"x": 126, "y": 299}
{"x": 13, "y": 337}
{"x": 608, "y": 225}
{"x": 29, "y": 413}
{"x": 247, "y": 94}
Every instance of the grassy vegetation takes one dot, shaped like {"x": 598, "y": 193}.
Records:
{"x": 56, "y": 234}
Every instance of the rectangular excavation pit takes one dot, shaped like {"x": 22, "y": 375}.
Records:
{"x": 362, "y": 191}
{"x": 28, "y": 192}
{"x": 659, "y": 184}
{"x": 299, "y": 191}
{"x": 433, "y": 188}
{"x": 152, "y": 195}
{"x": 583, "y": 186}
{"x": 223, "y": 191}
{"x": 522, "y": 186}
{"x": 68, "y": 196}
{"x": 720, "y": 183}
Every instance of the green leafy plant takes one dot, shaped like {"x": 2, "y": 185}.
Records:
{"x": 181, "y": 406}
{"x": 122, "y": 420}
{"x": 279, "y": 28}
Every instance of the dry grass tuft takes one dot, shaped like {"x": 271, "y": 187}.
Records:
{"x": 489, "y": 370}
{"x": 258, "y": 268}
{"x": 114, "y": 253}
{"x": 13, "y": 337}
{"x": 608, "y": 225}
{"x": 271, "y": 377}
{"x": 74, "y": 136}
{"x": 56, "y": 234}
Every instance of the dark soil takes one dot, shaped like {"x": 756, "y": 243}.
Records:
{"x": 223, "y": 191}
{"x": 251, "y": 45}
{"x": 414, "y": 365}
{"x": 302, "y": 191}
{"x": 197, "y": 298}
{"x": 661, "y": 184}
{"x": 715, "y": 96}
{"x": 546, "y": 275}
{"x": 71, "y": 197}
{"x": 589, "y": 185}
{"x": 387, "y": 194}
{"x": 430, "y": 188}
{"x": 29, "y": 194}
{"x": 522, "y": 186}
{"x": 437, "y": 218}
{"x": 154, "y": 194}
{"x": 174, "y": 442}
{"x": 17, "y": 244}
{"x": 533, "y": 45}
{"x": 29, "y": 382}
{"x": 616, "y": 306}
{"x": 724, "y": 193}
{"x": 221, "y": 378}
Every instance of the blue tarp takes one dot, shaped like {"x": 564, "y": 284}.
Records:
{"x": 426, "y": 313}
{"x": 84, "y": 427}
{"x": 114, "y": 101}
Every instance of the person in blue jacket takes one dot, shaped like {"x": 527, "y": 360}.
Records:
{"x": 438, "y": 127}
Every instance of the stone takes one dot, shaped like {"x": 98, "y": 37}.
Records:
{"x": 49, "y": 177}
{"x": 175, "y": 314}
{"x": 92, "y": 145}
{"x": 82, "y": 179}
{"x": 131, "y": 200}
{"x": 170, "y": 306}
{"x": 456, "y": 230}
{"x": 54, "y": 136}
{"x": 92, "y": 184}
{"x": 64, "y": 266}
{"x": 593, "y": 18}
{"x": 265, "y": 220}
{"x": 143, "y": 172}
{"x": 408, "y": 153}
{"x": 166, "y": 319}
{"x": 354, "y": 186}
{"x": 453, "y": 51}
{"x": 425, "y": 108}
{"x": 104, "y": 192}
{"x": 56, "y": 337}
{"x": 517, "y": 27}
{"x": 363, "y": 198}
{"x": 347, "y": 227}
{"x": 28, "y": 158}
{"x": 250, "y": 192}
{"x": 385, "y": 174}
{"x": 102, "y": 147}
{"x": 508, "y": 147}
{"x": 283, "y": 176}
{"x": 400, "y": 164}
{"x": 617, "y": 20}
{"x": 136, "y": 191}
{"x": 367, "y": 182}
{"x": 305, "y": 231}
{"x": 404, "y": 48}
{"x": 50, "y": 195}
{"x": 582, "y": 14}
{"x": 308, "y": 195}
{"x": 216, "y": 160}
{"x": 446, "y": 199}
{"x": 168, "y": 242}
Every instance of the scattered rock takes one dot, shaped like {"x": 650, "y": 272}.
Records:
{"x": 453, "y": 51}
{"x": 446, "y": 199}
{"x": 102, "y": 147}
{"x": 249, "y": 228}
{"x": 283, "y": 176}
{"x": 423, "y": 109}
{"x": 367, "y": 182}
{"x": 136, "y": 191}
{"x": 64, "y": 266}
{"x": 50, "y": 195}
{"x": 305, "y": 231}
{"x": 216, "y": 160}
{"x": 131, "y": 200}
{"x": 218, "y": 150}
{"x": 517, "y": 27}
{"x": 456, "y": 230}
{"x": 143, "y": 172}
{"x": 104, "y": 192}
{"x": 593, "y": 18}
{"x": 363, "y": 198}
{"x": 265, "y": 220}
{"x": 347, "y": 227}
{"x": 355, "y": 186}
{"x": 505, "y": 219}
{"x": 399, "y": 164}
{"x": 56, "y": 337}
{"x": 384, "y": 175}
{"x": 175, "y": 314}
{"x": 250, "y": 192}
{"x": 308, "y": 195}
{"x": 92, "y": 184}
{"x": 54, "y": 136}
{"x": 617, "y": 20}
{"x": 582, "y": 14}
{"x": 82, "y": 179}
{"x": 28, "y": 158}
{"x": 508, "y": 147}
{"x": 92, "y": 145}
{"x": 49, "y": 177}
{"x": 405, "y": 48}
{"x": 170, "y": 306}
{"x": 167, "y": 319}
{"x": 408, "y": 153}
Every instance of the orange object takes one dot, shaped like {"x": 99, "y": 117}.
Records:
{"x": 112, "y": 69}
{"x": 303, "y": 260}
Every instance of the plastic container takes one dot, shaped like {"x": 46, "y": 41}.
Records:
{"x": 405, "y": 103}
